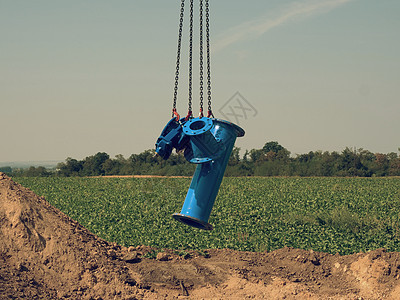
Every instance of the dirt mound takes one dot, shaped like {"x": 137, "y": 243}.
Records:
{"x": 46, "y": 255}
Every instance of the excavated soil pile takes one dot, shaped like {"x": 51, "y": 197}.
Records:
{"x": 46, "y": 255}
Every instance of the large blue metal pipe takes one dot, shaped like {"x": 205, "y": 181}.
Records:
{"x": 210, "y": 145}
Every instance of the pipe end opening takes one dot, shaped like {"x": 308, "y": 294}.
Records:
{"x": 194, "y": 222}
{"x": 197, "y": 125}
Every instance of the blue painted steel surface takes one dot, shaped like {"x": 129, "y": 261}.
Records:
{"x": 208, "y": 143}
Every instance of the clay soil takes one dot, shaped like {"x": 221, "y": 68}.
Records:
{"x": 46, "y": 255}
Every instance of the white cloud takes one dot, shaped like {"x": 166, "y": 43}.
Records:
{"x": 256, "y": 28}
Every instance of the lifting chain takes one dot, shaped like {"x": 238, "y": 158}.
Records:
{"x": 190, "y": 115}
{"x": 201, "y": 60}
{"x": 178, "y": 59}
{"x": 210, "y": 114}
{"x": 190, "y": 92}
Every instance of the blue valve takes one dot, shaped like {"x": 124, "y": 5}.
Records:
{"x": 208, "y": 143}
{"x": 171, "y": 137}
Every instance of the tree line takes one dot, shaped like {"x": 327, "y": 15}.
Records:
{"x": 271, "y": 160}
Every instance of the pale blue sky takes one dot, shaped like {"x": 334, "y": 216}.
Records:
{"x": 79, "y": 77}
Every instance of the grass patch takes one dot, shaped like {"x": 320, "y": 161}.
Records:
{"x": 343, "y": 215}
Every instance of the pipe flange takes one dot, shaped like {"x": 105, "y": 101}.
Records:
{"x": 194, "y": 222}
{"x": 197, "y": 126}
{"x": 239, "y": 131}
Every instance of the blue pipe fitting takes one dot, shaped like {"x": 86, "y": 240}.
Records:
{"x": 207, "y": 143}
{"x": 213, "y": 144}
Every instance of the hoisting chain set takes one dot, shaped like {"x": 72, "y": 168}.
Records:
{"x": 201, "y": 69}
{"x": 205, "y": 141}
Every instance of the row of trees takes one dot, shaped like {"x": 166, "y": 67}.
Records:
{"x": 275, "y": 160}
{"x": 271, "y": 160}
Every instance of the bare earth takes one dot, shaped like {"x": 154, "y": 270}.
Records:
{"x": 46, "y": 255}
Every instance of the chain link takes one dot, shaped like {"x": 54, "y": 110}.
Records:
{"x": 178, "y": 58}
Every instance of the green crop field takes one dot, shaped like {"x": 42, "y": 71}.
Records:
{"x": 335, "y": 215}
